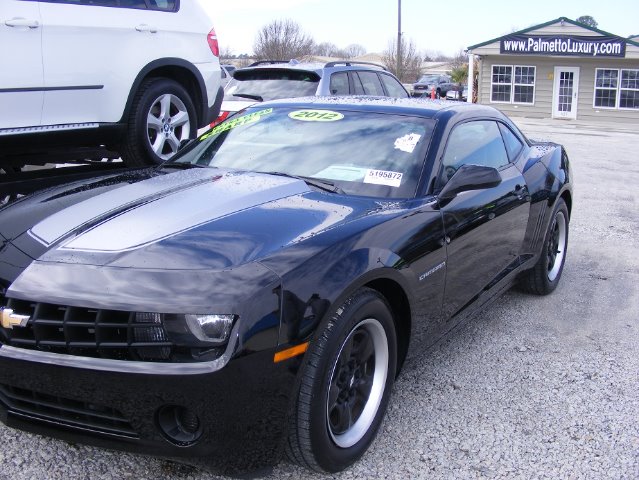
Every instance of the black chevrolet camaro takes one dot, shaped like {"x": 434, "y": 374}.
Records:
{"x": 260, "y": 293}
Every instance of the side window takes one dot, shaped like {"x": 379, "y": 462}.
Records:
{"x": 372, "y": 85}
{"x": 513, "y": 144}
{"x": 475, "y": 143}
{"x": 165, "y": 5}
{"x": 393, "y": 87}
{"x": 95, "y": 3}
{"x": 358, "y": 89}
{"x": 339, "y": 84}
{"x": 132, "y": 4}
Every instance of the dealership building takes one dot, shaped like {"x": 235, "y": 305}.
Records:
{"x": 559, "y": 69}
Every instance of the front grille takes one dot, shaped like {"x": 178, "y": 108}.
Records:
{"x": 71, "y": 413}
{"x": 88, "y": 332}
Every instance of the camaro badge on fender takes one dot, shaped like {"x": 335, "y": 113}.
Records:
{"x": 10, "y": 319}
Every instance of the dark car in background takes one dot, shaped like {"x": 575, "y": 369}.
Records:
{"x": 440, "y": 84}
{"x": 273, "y": 79}
{"x": 273, "y": 277}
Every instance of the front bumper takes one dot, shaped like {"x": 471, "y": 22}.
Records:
{"x": 242, "y": 407}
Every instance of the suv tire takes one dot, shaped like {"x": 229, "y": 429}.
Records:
{"x": 162, "y": 116}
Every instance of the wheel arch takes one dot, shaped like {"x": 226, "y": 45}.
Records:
{"x": 566, "y": 196}
{"x": 179, "y": 70}
{"x": 397, "y": 299}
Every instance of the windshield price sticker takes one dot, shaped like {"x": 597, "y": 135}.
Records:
{"x": 316, "y": 115}
{"x": 236, "y": 122}
{"x": 407, "y": 143}
{"x": 383, "y": 177}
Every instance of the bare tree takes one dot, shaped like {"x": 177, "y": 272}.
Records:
{"x": 410, "y": 62}
{"x": 226, "y": 53}
{"x": 325, "y": 49}
{"x": 282, "y": 40}
{"x": 460, "y": 59}
{"x": 435, "y": 56}
{"x": 354, "y": 50}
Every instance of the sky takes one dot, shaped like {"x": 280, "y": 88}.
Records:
{"x": 453, "y": 26}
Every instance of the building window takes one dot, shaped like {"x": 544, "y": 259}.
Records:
{"x": 507, "y": 87}
{"x": 606, "y": 88}
{"x": 629, "y": 89}
{"x": 501, "y": 83}
{"x": 616, "y": 88}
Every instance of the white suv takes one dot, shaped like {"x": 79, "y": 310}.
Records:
{"x": 139, "y": 76}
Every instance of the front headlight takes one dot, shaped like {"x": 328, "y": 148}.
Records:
{"x": 199, "y": 330}
{"x": 211, "y": 328}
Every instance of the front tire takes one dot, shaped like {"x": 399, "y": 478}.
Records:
{"x": 544, "y": 277}
{"x": 162, "y": 116}
{"x": 345, "y": 386}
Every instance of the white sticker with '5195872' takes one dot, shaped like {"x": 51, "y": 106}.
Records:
{"x": 383, "y": 177}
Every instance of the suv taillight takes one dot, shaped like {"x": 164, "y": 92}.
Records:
{"x": 213, "y": 45}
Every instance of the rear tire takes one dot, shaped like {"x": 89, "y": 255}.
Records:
{"x": 162, "y": 116}
{"x": 544, "y": 277}
{"x": 346, "y": 385}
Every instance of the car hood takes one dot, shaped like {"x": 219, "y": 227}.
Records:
{"x": 195, "y": 219}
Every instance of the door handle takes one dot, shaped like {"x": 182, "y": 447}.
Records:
{"x": 146, "y": 28}
{"x": 22, "y": 22}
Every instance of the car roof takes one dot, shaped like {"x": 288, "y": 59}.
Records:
{"x": 403, "y": 106}
{"x": 317, "y": 67}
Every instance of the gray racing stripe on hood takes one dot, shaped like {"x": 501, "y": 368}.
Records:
{"x": 53, "y": 228}
{"x": 185, "y": 209}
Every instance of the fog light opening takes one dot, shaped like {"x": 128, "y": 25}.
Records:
{"x": 180, "y": 425}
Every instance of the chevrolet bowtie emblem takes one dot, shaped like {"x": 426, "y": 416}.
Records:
{"x": 10, "y": 319}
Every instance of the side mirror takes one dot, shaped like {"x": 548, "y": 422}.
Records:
{"x": 470, "y": 177}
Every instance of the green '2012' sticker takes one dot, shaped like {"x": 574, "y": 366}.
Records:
{"x": 316, "y": 115}
{"x": 236, "y": 122}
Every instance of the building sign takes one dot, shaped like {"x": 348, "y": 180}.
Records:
{"x": 563, "y": 46}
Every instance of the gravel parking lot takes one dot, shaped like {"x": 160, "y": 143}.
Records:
{"x": 531, "y": 388}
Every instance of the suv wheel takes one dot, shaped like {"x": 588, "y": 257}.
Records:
{"x": 162, "y": 116}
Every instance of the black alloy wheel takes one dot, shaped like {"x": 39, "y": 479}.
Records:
{"x": 544, "y": 277}
{"x": 346, "y": 383}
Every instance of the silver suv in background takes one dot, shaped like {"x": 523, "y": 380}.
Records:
{"x": 440, "y": 84}
{"x": 136, "y": 76}
{"x": 275, "y": 79}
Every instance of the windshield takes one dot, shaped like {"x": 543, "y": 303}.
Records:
{"x": 428, "y": 79}
{"x": 363, "y": 153}
{"x": 271, "y": 84}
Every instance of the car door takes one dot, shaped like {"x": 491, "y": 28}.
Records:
{"x": 392, "y": 86}
{"x": 92, "y": 52}
{"x": 484, "y": 228}
{"x": 21, "y": 80}
{"x": 370, "y": 82}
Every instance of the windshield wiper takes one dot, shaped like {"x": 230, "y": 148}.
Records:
{"x": 181, "y": 165}
{"x": 249, "y": 95}
{"x": 314, "y": 182}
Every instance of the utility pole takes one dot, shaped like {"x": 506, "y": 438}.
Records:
{"x": 399, "y": 39}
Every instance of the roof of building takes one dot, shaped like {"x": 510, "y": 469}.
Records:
{"x": 551, "y": 22}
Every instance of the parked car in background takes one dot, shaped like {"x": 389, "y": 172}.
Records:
{"x": 139, "y": 76}
{"x": 225, "y": 75}
{"x": 275, "y": 79}
{"x": 229, "y": 68}
{"x": 453, "y": 94}
{"x": 259, "y": 294}
{"x": 441, "y": 84}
